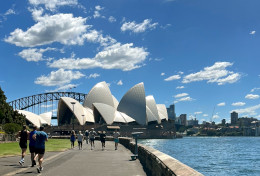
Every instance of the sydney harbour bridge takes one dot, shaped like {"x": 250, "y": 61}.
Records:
{"x": 44, "y": 102}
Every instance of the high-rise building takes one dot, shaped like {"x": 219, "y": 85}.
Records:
{"x": 234, "y": 118}
{"x": 223, "y": 122}
{"x": 171, "y": 112}
{"x": 193, "y": 122}
{"x": 183, "y": 119}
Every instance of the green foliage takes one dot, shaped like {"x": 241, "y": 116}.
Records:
{"x": 190, "y": 133}
{"x": 11, "y": 128}
{"x": 7, "y": 114}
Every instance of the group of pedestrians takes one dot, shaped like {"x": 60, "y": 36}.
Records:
{"x": 36, "y": 145}
{"x": 90, "y": 138}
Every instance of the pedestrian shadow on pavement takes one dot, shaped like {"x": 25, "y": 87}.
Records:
{"x": 16, "y": 166}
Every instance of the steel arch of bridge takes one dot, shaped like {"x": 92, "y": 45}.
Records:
{"x": 26, "y": 102}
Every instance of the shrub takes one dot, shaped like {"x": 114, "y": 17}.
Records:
{"x": 11, "y": 128}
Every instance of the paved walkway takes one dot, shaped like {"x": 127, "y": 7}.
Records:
{"x": 78, "y": 162}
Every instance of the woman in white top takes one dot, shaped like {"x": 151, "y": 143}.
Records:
{"x": 116, "y": 135}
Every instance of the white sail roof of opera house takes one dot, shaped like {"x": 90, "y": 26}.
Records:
{"x": 81, "y": 115}
{"x": 151, "y": 105}
{"x": 100, "y": 93}
{"x": 47, "y": 117}
{"x": 133, "y": 104}
{"x": 125, "y": 119}
{"x": 162, "y": 111}
{"x": 106, "y": 111}
{"x": 33, "y": 118}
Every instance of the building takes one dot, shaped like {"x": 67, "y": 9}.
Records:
{"x": 234, "y": 118}
{"x": 193, "y": 122}
{"x": 171, "y": 112}
{"x": 223, "y": 122}
{"x": 183, "y": 119}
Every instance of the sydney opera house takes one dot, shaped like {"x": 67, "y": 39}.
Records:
{"x": 101, "y": 107}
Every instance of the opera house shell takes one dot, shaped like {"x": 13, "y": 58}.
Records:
{"x": 101, "y": 107}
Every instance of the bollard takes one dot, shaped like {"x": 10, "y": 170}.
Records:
{"x": 135, "y": 136}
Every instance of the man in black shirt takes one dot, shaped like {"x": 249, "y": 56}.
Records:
{"x": 103, "y": 139}
{"x": 23, "y": 135}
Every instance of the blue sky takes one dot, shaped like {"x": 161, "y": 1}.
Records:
{"x": 198, "y": 54}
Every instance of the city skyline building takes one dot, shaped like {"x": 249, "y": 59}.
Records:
{"x": 234, "y": 118}
{"x": 171, "y": 112}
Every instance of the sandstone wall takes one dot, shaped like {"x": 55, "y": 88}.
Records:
{"x": 156, "y": 163}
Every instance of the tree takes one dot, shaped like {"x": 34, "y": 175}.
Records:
{"x": 7, "y": 114}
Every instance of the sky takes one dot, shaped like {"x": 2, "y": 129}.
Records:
{"x": 203, "y": 56}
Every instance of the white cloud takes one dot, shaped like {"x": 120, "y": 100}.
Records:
{"x": 184, "y": 99}
{"x": 9, "y": 12}
{"x": 53, "y": 4}
{"x": 180, "y": 87}
{"x": 62, "y": 28}
{"x": 58, "y": 78}
{"x": 34, "y": 54}
{"x": 162, "y": 74}
{"x": 124, "y": 57}
{"x": 254, "y": 89}
{"x": 181, "y": 95}
{"x": 120, "y": 83}
{"x": 173, "y": 77}
{"x": 112, "y": 19}
{"x": 215, "y": 73}
{"x": 215, "y": 116}
{"x": 205, "y": 115}
{"x": 221, "y": 104}
{"x": 94, "y": 75}
{"x": 46, "y": 106}
{"x": 249, "y": 110}
{"x": 196, "y": 113}
{"x": 96, "y": 37}
{"x": 252, "y": 32}
{"x": 97, "y": 12}
{"x": 238, "y": 104}
{"x": 252, "y": 96}
{"x": 140, "y": 27}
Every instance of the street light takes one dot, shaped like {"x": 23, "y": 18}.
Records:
{"x": 83, "y": 121}
{"x": 73, "y": 103}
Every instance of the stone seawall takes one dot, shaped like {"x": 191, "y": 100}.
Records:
{"x": 156, "y": 163}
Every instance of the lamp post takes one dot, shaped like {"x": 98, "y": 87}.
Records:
{"x": 83, "y": 121}
{"x": 73, "y": 103}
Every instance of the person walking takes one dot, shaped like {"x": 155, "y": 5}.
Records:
{"x": 116, "y": 135}
{"x": 92, "y": 135}
{"x": 80, "y": 138}
{"x": 32, "y": 145}
{"x": 87, "y": 136}
{"x": 103, "y": 139}
{"x": 72, "y": 138}
{"x": 23, "y": 135}
{"x": 40, "y": 138}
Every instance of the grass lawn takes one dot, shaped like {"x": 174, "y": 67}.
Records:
{"x": 13, "y": 148}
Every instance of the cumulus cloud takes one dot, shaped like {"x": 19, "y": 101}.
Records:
{"x": 64, "y": 87}
{"x": 96, "y": 37}
{"x": 216, "y": 73}
{"x": 53, "y": 4}
{"x": 117, "y": 56}
{"x": 112, "y": 19}
{"x": 184, "y": 99}
{"x": 162, "y": 74}
{"x": 205, "y": 115}
{"x": 196, "y": 113}
{"x": 252, "y": 32}
{"x": 120, "y": 83}
{"x": 139, "y": 27}
{"x": 97, "y": 12}
{"x": 34, "y": 54}
{"x": 238, "y": 104}
{"x": 62, "y": 28}
{"x": 180, "y": 87}
{"x": 252, "y": 96}
{"x": 255, "y": 89}
{"x": 181, "y": 95}
{"x": 10, "y": 12}
{"x": 94, "y": 75}
{"x": 173, "y": 77}
{"x": 221, "y": 104}
{"x": 58, "y": 78}
{"x": 215, "y": 116}
{"x": 249, "y": 110}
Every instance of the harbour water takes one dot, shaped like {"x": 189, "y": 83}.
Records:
{"x": 213, "y": 156}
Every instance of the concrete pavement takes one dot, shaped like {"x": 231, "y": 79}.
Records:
{"x": 78, "y": 162}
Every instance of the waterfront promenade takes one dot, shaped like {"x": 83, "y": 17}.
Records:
{"x": 78, "y": 162}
